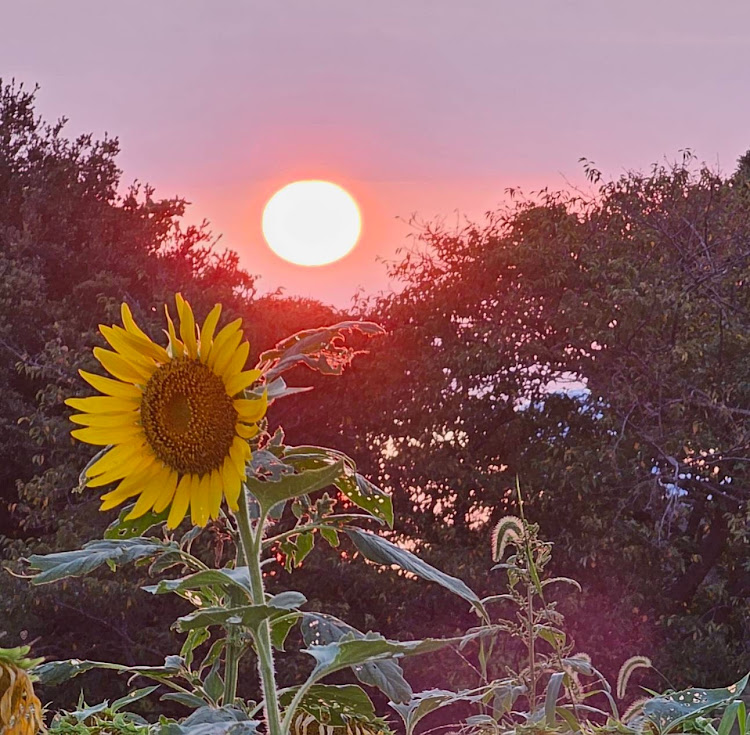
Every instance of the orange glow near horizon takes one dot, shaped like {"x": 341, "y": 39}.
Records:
{"x": 311, "y": 223}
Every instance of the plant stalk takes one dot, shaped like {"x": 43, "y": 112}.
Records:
{"x": 251, "y": 543}
{"x": 532, "y": 652}
{"x": 232, "y": 661}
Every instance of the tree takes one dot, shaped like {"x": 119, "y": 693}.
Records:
{"x": 637, "y": 295}
{"x": 72, "y": 247}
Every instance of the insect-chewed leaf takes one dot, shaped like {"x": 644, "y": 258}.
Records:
{"x": 509, "y": 530}
{"x": 333, "y": 705}
{"x": 386, "y": 674}
{"x": 671, "y": 710}
{"x": 367, "y": 496}
{"x": 321, "y": 349}
{"x": 121, "y": 528}
{"x": 270, "y": 492}
{"x": 62, "y": 564}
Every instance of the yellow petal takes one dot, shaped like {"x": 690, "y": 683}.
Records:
{"x": 236, "y": 362}
{"x": 129, "y": 487}
{"x": 242, "y": 454}
{"x": 122, "y": 343}
{"x": 124, "y": 455}
{"x": 167, "y": 493}
{"x": 107, "y": 420}
{"x": 199, "y": 500}
{"x": 187, "y": 326}
{"x": 142, "y": 345}
{"x": 239, "y": 382}
{"x": 221, "y": 339}
{"x": 207, "y": 331}
{"x": 232, "y": 483}
{"x": 176, "y": 348}
{"x": 215, "y": 494}
{"x": 237, "y": 456}
{"x": 224, "y": 355}
{"x": 253, "y": 410}
{"x": 150, "y": 494}
{"x": 111, "y": 387}
{"x": 103, "y": 437}
{"x": 131, "y": 467}
{"x": 129, "y": 322}
{"x": 123, "y": 369}
{"x": 247, "y": 432}
{"x": 180, "y": 503}
{"x": 103, "y": 404}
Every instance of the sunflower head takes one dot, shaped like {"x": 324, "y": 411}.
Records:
{"x": 174, "y": 419}
{"x": 20, "y": 709}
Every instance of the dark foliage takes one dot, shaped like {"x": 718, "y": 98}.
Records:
{"x": 640, "y": 480}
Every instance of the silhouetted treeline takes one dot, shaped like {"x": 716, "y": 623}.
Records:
{"x": 637, "y": 294}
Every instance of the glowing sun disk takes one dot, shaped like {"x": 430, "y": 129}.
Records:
{"x": 311, "y": 222}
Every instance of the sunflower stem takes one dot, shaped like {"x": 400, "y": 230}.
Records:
{"x": 232, "y": 662}
{"x": 252, "y": 544}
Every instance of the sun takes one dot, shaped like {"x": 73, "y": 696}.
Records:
{"x": 311, "y": 222}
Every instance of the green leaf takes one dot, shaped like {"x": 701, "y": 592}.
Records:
{"x": 238, "y": 578}
{"x": 217, "y": 647}
{"x": 669, "y": 711}
{"x": 277, "y": 388}
{"x": 386, "y": 674}
{"x": 380, "y": 550}
{"x": 184, "y": 698}
{"x": 63, "y": 564}
{"x": 349, "y": 651}
{"x": 428, "y": 701}
{"x": 331, "y": 536}
{"x": 18, "y": 657}
{"x": 304, "y": 545}
{"x": 212, "y": 721}
{"x": 580, "y": 665}
{"x": 280, "y": 629}
{"x": 251, "y": 616}
{"x": 320, "y": 349}
{"x": 550, "y": 700}
{"x": 554, "y": 636}
{"x": 214, "y": 685}
{"x": 360, "y": 491}
{"x": 730, "y": 715}
{"x": 287, "y": 600}
{"x": 269, "y": 493}
{"x": 193, "y": 639}
{"x": 335, "y": 706}
{"x": 134, "y": 696}
{"x": 53, "y": 673}
{"x": 124, "y": 529}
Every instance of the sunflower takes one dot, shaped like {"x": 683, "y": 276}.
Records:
{"x": 174, "y": 419}
{"x": 20, "y": 708}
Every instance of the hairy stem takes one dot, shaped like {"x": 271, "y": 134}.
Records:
{"x": 252, "y": 544}
{"x": 232, "y": 660}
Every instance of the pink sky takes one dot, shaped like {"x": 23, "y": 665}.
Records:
{"x": 427, "y": 106}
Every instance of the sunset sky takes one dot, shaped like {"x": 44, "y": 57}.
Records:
{"x": 417, "y": 106}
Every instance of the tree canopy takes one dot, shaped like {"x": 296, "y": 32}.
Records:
{"x": 591, "y": 346}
